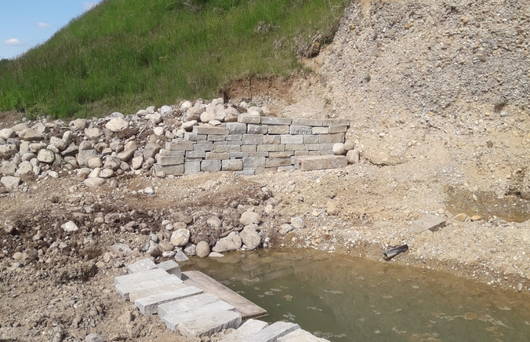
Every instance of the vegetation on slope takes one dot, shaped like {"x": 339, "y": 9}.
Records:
{"x": 129, "y": 53}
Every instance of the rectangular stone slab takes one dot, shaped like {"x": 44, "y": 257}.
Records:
{"x": 140, "y": 276}
{"x": 141, "y": 265}
{"x": 146, "y": 292}
{"x": 320, "y": 162}
{"x": 250, "y": 327}
{"x": 149, "y": 305}
{"x": 173, "y": 319}
{"x": 209, "y": 285}
{"x": 186, "y": 304}
{"x": 273, "y": 332}
{"x": 209, "y": 324}
{"x": 301, "y": 336}
{"x": 124, "y": 289}
{"x": 171, "y": 267}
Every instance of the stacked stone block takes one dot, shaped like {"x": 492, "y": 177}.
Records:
{"x": 253, "y": 145}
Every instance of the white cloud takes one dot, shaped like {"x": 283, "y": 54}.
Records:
{"x": 88, "y": 5}
{"x": 12, "y": 42}
{"x": 43, "y": 25}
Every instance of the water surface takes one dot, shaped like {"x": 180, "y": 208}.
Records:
{"x": 351, "y": 299}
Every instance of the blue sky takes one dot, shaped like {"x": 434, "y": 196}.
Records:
{"x": 27, "y": 23}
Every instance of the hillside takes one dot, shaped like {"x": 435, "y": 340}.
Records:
{"x": 130, "y": 53}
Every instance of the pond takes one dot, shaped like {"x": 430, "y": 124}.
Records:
{"x": 342, "y": 298}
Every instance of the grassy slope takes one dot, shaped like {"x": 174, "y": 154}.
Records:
{"x": 128, "y": 53}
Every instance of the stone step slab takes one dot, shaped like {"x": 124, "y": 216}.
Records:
{"x": 324, "y": 162}
{"x": 146, "y": 292}
{"x": 186, "y": 304}
{"x": 301, "y": 336}
{"x": 209, "y": 324}
{"x": 273, "y": 332}
{"x": 171, "y": 267}
{"x": 126, "y": 288}
{"x": 249, "y": 328}
{"x": 149, "y": 274}
{"x": 173, "y": 319}
{"x": 141, "y": 265}
{"x": 149, "y": 305}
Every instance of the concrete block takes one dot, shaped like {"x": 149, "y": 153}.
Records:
{"x": 146, "y": 292}
{"x": 302, "y": 130}
{"x": 292, "y": 139}
{"x": 320, "y": 147}
{"x": 336, "y": 122}
{"x": 253, "y": 162}
{"x": 149, "y": 305}
{"x": 171, "y": 267}
{"x": 216, "y": 137}
{"x": 124, "y": 289}
{"x": 186, "y": 304}
{"x": 234, "y": 137}
{"x": 169, "y": 153}
{"x": 172, "y": 170}
{"x": 252, "y": 139}
{"x": 195, "y": 154}
{"x": 211, "y": 323}
{"x": 273, "y": 332}
{"x": 249, "y": 328}
{"x": 286, "y": 168}
{"x": 270, "y": 120}
{"x": 192, "y": 167}
{"x": 140, "y": 276}
{"x": 236, "y": 128}
{"x": 249, "y": 118}
{"x": 256, "y": 129}
{"x": 255, "y": 154}
{"x": 246, "y": 172}
{"x": 337, "y": 129}
{"x": 311, "y": 139}
{"x": 217, "y": 155}
{"x": 276, "y": 162}
{"x": 307, "y": 122}
{"x": 295, "y": 147}
{"x": 232, "y": 165}
{"x": 182, "y": 145}
{"x": 227, "y": 148}
{"x": 284, "y": 154}
{"x": 279, "y": 129}
{"x": 191, "y": 136}
{"x": 236, "y": 155}
{"x": 210, "y": 130}
{"x": 331, "y": 138}
{"x": 271, "y": 148}
{"x": 141, "y": 265}
{"x": 272, "y": 139}
{"x": 248, "y": 148}
{"x": 307, "y": 153}
{"x": 309, "y": 163}
{"x": 203, "y": 147}
{"x": 211, "y": 165}
{"x": 301, "y": 336}
{"x": 173, "y": 319}
{"x": 170, "y": 160}
{"x": 320, "y": 130}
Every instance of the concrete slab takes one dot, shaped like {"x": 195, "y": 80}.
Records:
{"x": 171, "y": 267}
{"x": 301, "y": 336}
{"x": 209, "y": 324}
{"x": 186, "y": 304}
{"x": 273, "y": 332}
{"x": 124, "y": 289}
{"x": 146, "y": 292}
{"x": 173, "y": 319}
{"x": 149, "y": 305}
{"x": 308, "y": 163}
{"x": 250, "y": 327}
{"x": 140, "y": 276}
{"x": 209, "y": 285}
{"x": 141, "y": 265}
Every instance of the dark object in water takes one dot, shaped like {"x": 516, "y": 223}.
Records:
{"x": 394, "y": 250}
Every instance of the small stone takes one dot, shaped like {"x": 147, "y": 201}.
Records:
{"x": 94, "y": 162}
{"x": 10, "y": 182}
{"x": 475, "y": 218}
{"x": 285, "y": 228}
{"x": 230, "y": 243}
{"x": 297, "y": 222}
{"x": 214, "y": 222}
{"x": 215, "y": 255}
{"x": 180, "y": 237}
{"x": 117, "y": 124}
{"x": 137, "y": 162}
{"x": 6, "y": 133}
{"x": 94, "y": 338}
{"x": 338, "y": 149}
{"x": 353, "y": 156}
{"x": 159, "y": 131}
{"x": 70, "y": 227}
{"x": 46, "y": 156}
{"x": 250, "y": 217}
{"x": 332, "y": 208}
{"x": 180, "y": 256}
{"x": 106, "y": 173}
{"x": 77, "y": 124}
{"x": 462, "y": 217}
{"x": 92, "y": 133}
{"x": 149, "y": 191}
{"x": 190, "y": 250}
{"x": 250, "y": 237}
{"x": 202, "y": 249}
{"x": 349, "y": 145}
{"x": 94, "y": 182}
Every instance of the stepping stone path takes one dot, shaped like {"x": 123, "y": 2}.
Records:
{"x": 193, "y": 305}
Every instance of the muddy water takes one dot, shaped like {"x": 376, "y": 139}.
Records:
{"x": 350, "y": 299}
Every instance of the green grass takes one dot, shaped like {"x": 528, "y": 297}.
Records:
{"x": 125, "y": 54}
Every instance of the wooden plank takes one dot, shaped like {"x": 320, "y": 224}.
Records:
{"x": 209, "y": 285}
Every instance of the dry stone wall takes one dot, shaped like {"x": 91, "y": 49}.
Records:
{"x": 252, "y": 145}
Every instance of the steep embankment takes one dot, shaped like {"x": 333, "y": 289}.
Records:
{"x": 133, "y": 53}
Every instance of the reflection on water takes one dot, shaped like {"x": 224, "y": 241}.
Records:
{"x": 350, "y": 299}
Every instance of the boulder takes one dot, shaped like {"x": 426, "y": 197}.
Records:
{"x": 58, "y": 143}
{"x": 24, "y": 168}
{"x": 202, "y": 249}
{"x": 6, "y": 133}
{"x": 117, "y": 124}
{"x": 180, "y": 237}
{"x": 230, "y": 243}
{"x": 94, "y": 182}
{"x": 250, "y": 217}
{"x": 77, "y": 124}
{"x": 8, "y": 168}
{"x": 93, "y": 133}
{"x": 353, "y": 156}
{"x": 338, "y": 149}
{"x": 30, "y": 134}
{"x": 250, "y": 237}
{"x": 10, "y": 182}
{"x": 84, "y": 156}
{"x": 46, "y": 156}
{"x": 94, "y": 162}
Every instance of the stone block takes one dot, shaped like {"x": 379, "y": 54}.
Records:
{"x": 311, "y": 139}
{"x": 300, "y": 130}
{"x": 149, "y": 305}
{"x": 271, "y": 148}
{"x": 227, "y": 148}
{"x": 190, "y": 136}
{"x": 320, "y": 130}
{"x": 195, "y": 154}
{"x": 307, "y": 153}
{"x": 292, "y": 139}
{"x": 211, "y": 165}
{"x": 279, "y": 129}
{"x": 141, "y": 265}
{"x": 295, "y": 147}
{"x": 186, "y": 304}
{"x": 253, "y": 162}
{"x": 124, "y": 287}
{"x": 141, "y": 293}
{"x": 252, "y": 139}
{"x": 211, "y": 323}
{"x": 309, "y": 163}
{"x": 170, "y": 160}
{"x": 273, "y": 139}
{"x": 203, "y": 147}
{"x": 140, "y": 276}
{"x": 171, "y": 267}
{"x": 192, "y": 167}
{"x": 174, "y": 318}
{"x": 276, "y": 162}
{"x": 236, "y": 128}
{"x": 331, "y": 138}
{"x": 256, "y": 129}
{"x": 232, "y": 165}
{"x": 234, "y": 137}
{"x": 337, "y": 129}
{"x": 236, "y": 155}
{"x": 307, "y": 122}
{"x": 210, "y": 130}
{"x": 246, "y": 172}
{"x": 216, "y": 137}
{"x": 270, "y": 120}
{"x": 249, "y": 118}
{"x": 179, "y": 145}
{"x": 273, "y": 332}
{"x": 172, "y": 170}
{"x": 320, "y": 147}
{"x": 248, "y": 148}
{"x": 217, "y": 155}
{"x": 249, "y": 328}
{"x": 255, "y": 154}
{"x": 301, "y": 336}
{"x": 335, "y": 122}
{"x": 284, "y": 154}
